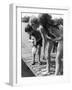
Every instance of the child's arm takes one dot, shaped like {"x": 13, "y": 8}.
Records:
{"x": 32, "y": 40}
{"x": 58, "y": 39}
{"x": 49, "y": 38}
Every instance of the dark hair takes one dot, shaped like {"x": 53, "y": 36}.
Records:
{"x": 28, "y": 28}
{"x": 34, "y": 20}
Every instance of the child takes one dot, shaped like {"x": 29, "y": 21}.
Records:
{"x": 36, "y": 38}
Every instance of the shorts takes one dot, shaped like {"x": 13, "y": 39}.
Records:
{"x": 38, "y": 43}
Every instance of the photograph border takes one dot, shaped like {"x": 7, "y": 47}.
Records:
{"x": 14, "y": 67}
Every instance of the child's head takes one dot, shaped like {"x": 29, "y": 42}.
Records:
{"x": 34, "y": 22}
{"x": 28, "y": 29}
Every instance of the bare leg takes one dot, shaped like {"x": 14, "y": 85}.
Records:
{"x": 59, "y": 56}
{"x": 34, "y": 49}
{"x": 54, "y": 47}
{"x": 39, "y": 52}
{"x": 44, "y": 47}
{"x": 49, "y": 53}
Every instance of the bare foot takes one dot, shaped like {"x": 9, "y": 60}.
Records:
{"x": 33, "y": 63}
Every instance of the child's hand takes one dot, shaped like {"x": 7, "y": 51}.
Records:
{"x": 30, "y": 40}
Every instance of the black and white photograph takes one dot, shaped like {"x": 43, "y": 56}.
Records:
{"x": 36, "y": 45}
{"x": 41, "y": 44}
